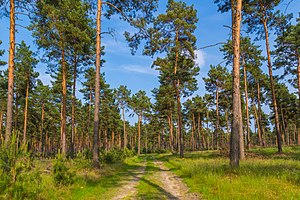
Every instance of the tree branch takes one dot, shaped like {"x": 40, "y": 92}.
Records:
{"x": 212, "y": 45}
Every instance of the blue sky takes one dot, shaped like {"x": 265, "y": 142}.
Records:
{"x": 122, "y": 68}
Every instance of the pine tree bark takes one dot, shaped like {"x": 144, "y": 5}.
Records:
{"x": 247, "y": 105}
{"x": 217, "y": 117}
{"x": 16, "y": 111}
{"x": 298, "y": 73}
{"x": 237, "y": 124}
{"x": 1, "y": 121}
{"x": 42, "y": 128}
{"x": 124, "y": 128}
{"x": 275, "y": 109}
{"x": 193, "y": 131}
{"x": 298, "y": 76}
{"x": 73, "y": 120}
{"x": 11, "y": 66}
{"x": 25, "y": 111}
{"x": 64, "y": 104}
{"x": 139, "y": 134}
{"x": 112, "y": 140}
{"x": 170, "y": 121}
{"x": 97, "y": 86}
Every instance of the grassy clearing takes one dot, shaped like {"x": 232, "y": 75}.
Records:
{"x": 264, "y": 175}
{"x": 88, "y": 183}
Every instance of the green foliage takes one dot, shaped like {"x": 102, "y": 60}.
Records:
{"x": 116, "y": 155}
{"x": 61, "y": 173}
{"x": 18, "y": 177}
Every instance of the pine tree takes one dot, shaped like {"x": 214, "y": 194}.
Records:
{"x": 237, "y": 125}
{"x": 173, "y": 34}
{"x": 287, "y": 53}
{"x": 218, "y": 78}
{"x": 259, "y": 18}
{"x": 140, "y": 104}
{"x": 25, "y": 76}
{"x": 138, "y": 14}
{"x": 122, "y": 95}
{"x": 61, "y": 28}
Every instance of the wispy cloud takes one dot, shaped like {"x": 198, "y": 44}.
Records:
{"x": 200, "y": 58}
{"x": 46, "y": 79}
{"x": 140, "y": 69}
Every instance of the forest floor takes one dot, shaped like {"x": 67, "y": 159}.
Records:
{"x": 200, "y": 175}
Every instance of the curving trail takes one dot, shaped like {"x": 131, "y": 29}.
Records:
{"x": 169, "y": 185}
{"x": 128, "y": 189}
{"x": 172, "y": 184}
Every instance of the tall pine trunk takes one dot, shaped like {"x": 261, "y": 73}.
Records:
{"x": 217, "y": 118}
{"x": 139, "y": 134}
{"x": 247, "y": 105}
{"x": 97, "y": 86}
{"x": 25, "y": 112}
{"x": 298, "y": 73}
{"x": 298, "y": 76}
{"x": 11, "y": 66}
{"x": 124, "y": 128}
{"x": 64, "y": 104}
{"x": 170, "y": 121}
{"x": 275, "y": 109}
{"x": 237, "y": 124}
{"x": 180, "y": 140}
{"x": 72, "y": 145}
{"x": 1, "y": 120}
{"x": 42, "y": 128}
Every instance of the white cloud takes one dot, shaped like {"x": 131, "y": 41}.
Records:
{"x": 140, "y": 69}
{"x": 46, "y": 79}
{"x": 200, "y": 58}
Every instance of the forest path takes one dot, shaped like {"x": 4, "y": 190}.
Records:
{"x": 128, "y": 187}
{"x": 153, "y": 180}
{"x": 171, "y": 183}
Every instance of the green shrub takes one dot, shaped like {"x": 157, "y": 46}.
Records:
{"x": 115, "y": 155}
{"x": 61, "y": 173}
{"x": 18, "y": 177}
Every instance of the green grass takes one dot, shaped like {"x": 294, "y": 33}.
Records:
{"x": 88, "y": 183}
{"x": 263, "y": 175}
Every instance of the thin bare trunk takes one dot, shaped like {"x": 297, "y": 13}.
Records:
{"x": 73, "y": 106}
{"x": 217, "y": 117}
{"x": 237, "y": 124}
{"x": 25, "y": 111}
{"x": 11, "y": 66}
{"x": 124, "y": 127}
{"x": 272, "y": 88}
{"x": 112, "y": 139}
{"x": 97, "y": 86}
{"x": 139, "y": 134}
{"x": 247, "y": 105}
{"x": 171, "y": 132}
{"x": 64, "y": 104}
{"x": 42, "y": 128}
{"x": 298, "y": 73}
{"x": 1, "y": 121}
{"x": 227, "y": 126}
{"x": 193, "y": 130}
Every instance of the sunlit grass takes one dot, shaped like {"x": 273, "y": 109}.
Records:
{"x": 89, "y": 183}
{"x": 264, "y": 175}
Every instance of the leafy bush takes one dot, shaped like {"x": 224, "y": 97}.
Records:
{"x": 18, "y": 177}
{"x": 115, "y": 155}
{"x": 61, "y": 173}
